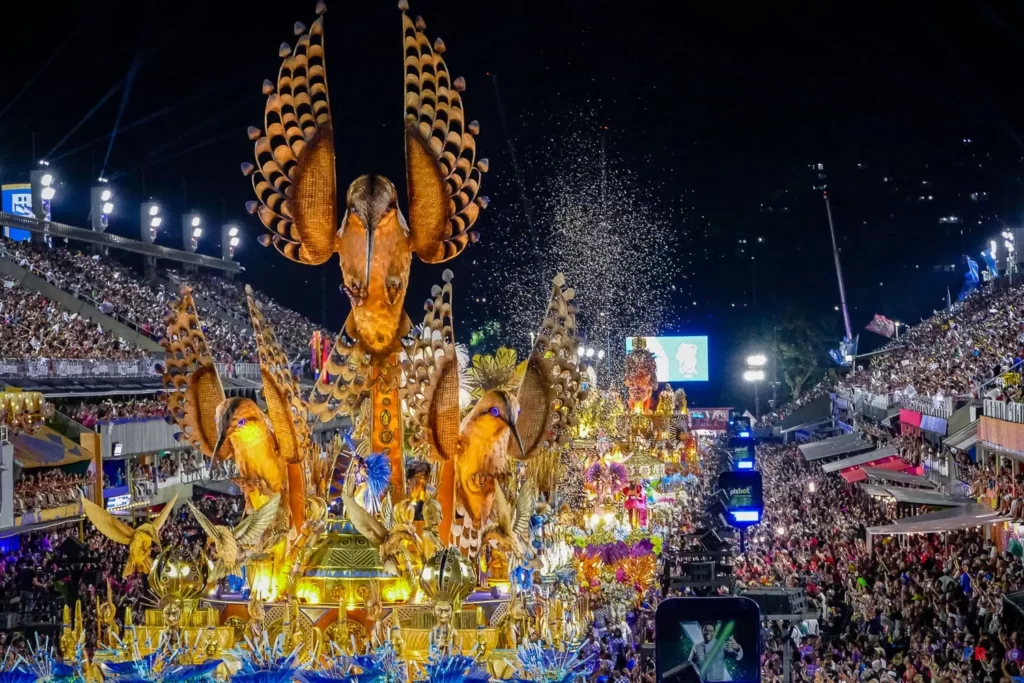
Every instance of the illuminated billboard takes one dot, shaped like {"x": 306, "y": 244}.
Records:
{"x": 17, "y": 199}
{"x": 679, "y": 359}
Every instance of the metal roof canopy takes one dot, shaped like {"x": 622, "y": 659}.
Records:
{"x": 921, "y": 497}
{"x": 837, "y": 445}
{"x": 875, "y": 490}
{"x": 967, "y": 515}
{"x": 861, "y": 459}
{"x": 116, "y": 242}
{"x": 899, "y": 477}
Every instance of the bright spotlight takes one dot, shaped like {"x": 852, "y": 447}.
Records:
{"x": 48, "y": 193}
{"x": 197, "y": 233}
{"x": 600, "y": 354}
{"x": 155, "y": 221}
{"x": 753, "y": 375}
{"x": 757, "y": 359}
{"x": 154, "y": 210}
{"x": 233, "y": 232}
{"x": 196, "y": 221}
{"x": 108, "y": 207}
{"x": 106, "y": 195}
{"x": 234, "y": 241}
{"x": 589, "y": 352}
{"x": 47, "y": 179}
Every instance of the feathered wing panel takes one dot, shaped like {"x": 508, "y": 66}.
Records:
{"x": 432, "y": 377}
{"x": 442, "y": 172}
{"x": 192, "y": 386}
{"x": 348, "y": 380}
{"x": 551, "y": 386}
{"x": 287, "y": 411}
{"x": 251, "y": 529}
{"x": 109, "y": 525}
{"x": 294, "y": 177}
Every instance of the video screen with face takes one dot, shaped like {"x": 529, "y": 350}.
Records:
{"x": 723, "y": 647}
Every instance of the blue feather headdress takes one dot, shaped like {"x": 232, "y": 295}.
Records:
{"x": 17, "y": 671}
{"x": 162, "y": 665}
{"x": 42, "y": 663}
{"x": 262, "y": 662}
{"x": 454, "y": 668}
{"x": 378, "y": 476}
{"x": 549, "y": 666}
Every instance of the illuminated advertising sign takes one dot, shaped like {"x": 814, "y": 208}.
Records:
{"x": 744, "y": 496}
{"x": 17, "y": 199}
{"x": 742, "y": 450}
{"x": 678, "y": 359}
{"x": 708, "y": 640}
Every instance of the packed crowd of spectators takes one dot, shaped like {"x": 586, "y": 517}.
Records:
{"x": 953, "y": 353}
{"x": 920, "y": 609}
{"x": 118, "y": 291}
{"x": 92, "y": 412}
{"x": 48, "y": 489}
{"x": 35, "y": 327}
{"x": 55, "y": 567}
{"x": 293, "y": 330}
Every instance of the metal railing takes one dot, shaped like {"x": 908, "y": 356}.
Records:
{"x": 56, "y": 367}
{"x": 1006, "y": 411}
{"x": 937, "y": 407}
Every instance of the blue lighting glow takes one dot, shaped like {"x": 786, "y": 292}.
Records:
{"x": 746, "y": 515}
{"x": 745, "y": 465}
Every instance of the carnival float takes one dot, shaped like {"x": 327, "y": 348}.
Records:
{"x": 445, "y": 537}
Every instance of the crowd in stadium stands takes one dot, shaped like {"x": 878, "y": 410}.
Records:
{"x": 120, "y": 292}
{"x": 54, "y": 567}
{"x": 45, "y": 490}
{"x": 293, "y": 330}
{"x": 91, "y": 412}
{"x": 35, "y": 327}
{"x": 953, "y": 353}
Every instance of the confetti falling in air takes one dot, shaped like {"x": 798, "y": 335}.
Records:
{"x": 595, "y": 221}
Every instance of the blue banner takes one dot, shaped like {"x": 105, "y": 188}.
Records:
{"x": 972, "y": 278}
{"x": 17, "y": 199}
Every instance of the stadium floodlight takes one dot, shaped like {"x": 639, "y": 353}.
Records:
{"x": 197, "y": 233}
{"x": 150, "y": 220}
{"x": 48, "y": 193}
{"x": 753, "y": 375}
{"x": 101, "y": 205}
{"x": 757, "y": 360}
{"x": 233, "y": 232}
{"x": 47, "y": 179}
{"x": 600, "y": 354}
{"x": 234, "y": 242}
{"x": 196, "y": 221}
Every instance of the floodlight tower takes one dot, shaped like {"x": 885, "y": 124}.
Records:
{"x": 191, "y": 232}
{"x": 150, "y": 220}
{"x": 101, "y": 205}
{"x": 230, "y": 238}
{"x": 44, "y": 189}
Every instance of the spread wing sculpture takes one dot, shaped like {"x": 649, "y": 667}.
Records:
{"x": 270, "y": 449}
{"x": 139, "y": 540}
{"x": 234, "y": 547}
{"x": 520, "y": 420}
{"x": 299, "y": 203}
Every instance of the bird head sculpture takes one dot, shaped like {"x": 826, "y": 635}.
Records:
{"x": 242, "y": 428}
{"x": 298, "y": 200}
{"x": 488, "y": 432}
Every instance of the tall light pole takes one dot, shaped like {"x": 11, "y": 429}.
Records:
{"x": 44, "y": 189}
{"x": 839, "y": 269}
{"x": 755, "y": 374}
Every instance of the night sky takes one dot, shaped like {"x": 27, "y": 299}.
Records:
{"x": 710, "y": 115}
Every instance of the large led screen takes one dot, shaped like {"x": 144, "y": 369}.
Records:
{"x": 679, "y": 359}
